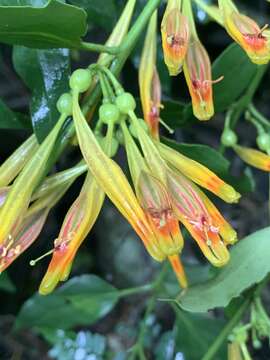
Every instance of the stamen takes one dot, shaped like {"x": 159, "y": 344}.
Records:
{"x": 167, "y": 127}
{"x": 263, "y": 29}
{"x": 33, "y": 262}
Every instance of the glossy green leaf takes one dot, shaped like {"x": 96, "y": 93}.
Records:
{"x": 54, "y": 24}
{"x": 195, "y": 333}
{"x": 214, "y": 160}
{"x": 12, "y": 120}
{"x": 99, "y": 12}
{"x": 6, "y": 284}
{"x": 177, "y": 114}
{"x": 249, "y": 264}
{"x": 82, "y": 300}
{"x": 238, "y": 72}
{"x": 46, "y": 73}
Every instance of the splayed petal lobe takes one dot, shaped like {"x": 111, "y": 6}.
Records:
{"x": 197, "y": 69}
{"x": 192, "y": 212}
{"x": 175, "y": 38}
{"x": 158, "y": 209}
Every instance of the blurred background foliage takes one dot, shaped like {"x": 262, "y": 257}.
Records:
{"x": 88, "y": 318}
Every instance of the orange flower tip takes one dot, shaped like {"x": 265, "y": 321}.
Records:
{"x": 230, "y": 237}
{"x": 229, "y": 194}
{"x": 179, "y": 271}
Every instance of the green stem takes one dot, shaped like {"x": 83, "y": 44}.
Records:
{"x": 113, "y": 50}
{"x": 213, "y": 349}
{"x": 136, "y": 290}
{"x": 253, "y": 111}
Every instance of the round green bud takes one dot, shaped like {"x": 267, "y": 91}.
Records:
{"x": 229, "y": 138}
{"x": 109, "y": 113}
{"x": 80, "y": 80}
{"x": 263, "y": 141}
{"x": 125, "y": 103}
{"x": 64, "y": 104}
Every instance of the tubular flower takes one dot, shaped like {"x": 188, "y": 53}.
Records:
{"x": 150, "y": 89}
{"x": 26, "y": 232}
{"x": 192, "y": 212}
{"x": 253, "y": 157}
{"x": 175, "y": 36}
{"x": 112, "y": 180}
{"x": 246, "y": 32}
{"x": 21, "y": 191}
{"x": 76, "y": 226}
{"x": 197, "y": 70}
{"x": 157, "y": 205}
{"x": 200, "y": 174}
{"x": 13, "y": 165}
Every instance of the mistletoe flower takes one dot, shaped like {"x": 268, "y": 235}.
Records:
{"x": 246, "y": 32}
{"x": 111, "y": 178}
{"x": 175, "y": 37}
{"x": 150, "y": 89}
{"x": 197, "y": 70}
{"x": 77, "y": 224}
{"x": 193, "y": 213}
{"x": 253, "y": 157}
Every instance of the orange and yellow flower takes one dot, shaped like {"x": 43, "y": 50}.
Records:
{"x": 175, "y": 36}
{"x": 246, "y": 32}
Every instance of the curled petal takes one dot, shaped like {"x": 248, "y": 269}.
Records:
{"x": 200, "y": 174}
{"x": 246, "y": 32}
{"x": 77, "y": 224}
{"x": 175, "y": 37}
{"x": 253, "y": 157}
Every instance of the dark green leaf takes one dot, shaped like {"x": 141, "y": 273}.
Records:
{"x": 6, "y": 284}
{"x": 249, "y": 264}
{"x": 46, "y": 73}
{"x": 177, "y": 114}
{"x": 55, "y": 24}
{"x": 100, "y": 12}
{"x": 12, "y": 120}
{"x": 213, "y": 160}
{"x": 195, "y": 333}
{"x": 238, "y": 72}
{"x": 82, "y": 300}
